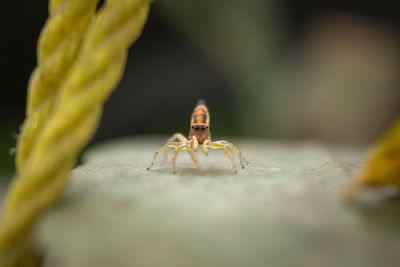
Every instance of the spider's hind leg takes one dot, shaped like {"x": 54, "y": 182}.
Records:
{"x": 177, "y": 136}
{"x": 177, "y": 149}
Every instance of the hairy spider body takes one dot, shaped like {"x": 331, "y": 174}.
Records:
{"x": 199, "y": 135}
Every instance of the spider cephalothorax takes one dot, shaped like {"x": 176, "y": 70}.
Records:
{"x": 199, "y": 135}
{"x": 202, "y": 133}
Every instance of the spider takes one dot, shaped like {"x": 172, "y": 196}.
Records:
{"x": 199, "y": 135}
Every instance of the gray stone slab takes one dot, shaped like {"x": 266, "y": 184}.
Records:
{"x": 284, "y": 209}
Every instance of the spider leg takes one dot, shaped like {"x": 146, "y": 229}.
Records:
{"x": 173, "y": 144}
{"x": 177, "y": 136}
{"x": 205, "y": 150}
{"x": 195, "y": 143}
{"x": 177, "y": 149}
{"x": 234, "y": 149}
{"x": 189, "y": 146}
{"x": 217, "y": 145}
{"x": 174, "y": 137}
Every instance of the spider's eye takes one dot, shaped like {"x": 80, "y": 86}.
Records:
{"x": 203, "y": 127}
{"x": 192, "y": 126}
{"x": 197, "y": 127}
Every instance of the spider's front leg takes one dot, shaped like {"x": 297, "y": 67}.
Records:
{"x": 192, "y": 145}
{"x": 234, "y": 149}
{"x": 217, "y": 145}
{"x": 158, "y": 152}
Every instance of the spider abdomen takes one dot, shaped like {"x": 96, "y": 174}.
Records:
{"x": 200, "y": 123}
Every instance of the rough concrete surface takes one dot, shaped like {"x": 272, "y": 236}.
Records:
{"x": 284, "y": 209}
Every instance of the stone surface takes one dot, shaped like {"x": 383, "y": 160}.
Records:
{"x": 284, "y": 209}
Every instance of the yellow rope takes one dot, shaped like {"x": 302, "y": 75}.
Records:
{"x": 81, "y": 58}
{"x": 382, "y": 166}
{"x": 58, "y": 48}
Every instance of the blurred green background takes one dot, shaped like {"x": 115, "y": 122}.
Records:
{"x": 325, "y": 70}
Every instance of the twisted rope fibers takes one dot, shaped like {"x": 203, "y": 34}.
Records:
{"x": 81, "y": 58}
{"x": 382, "y": 165}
